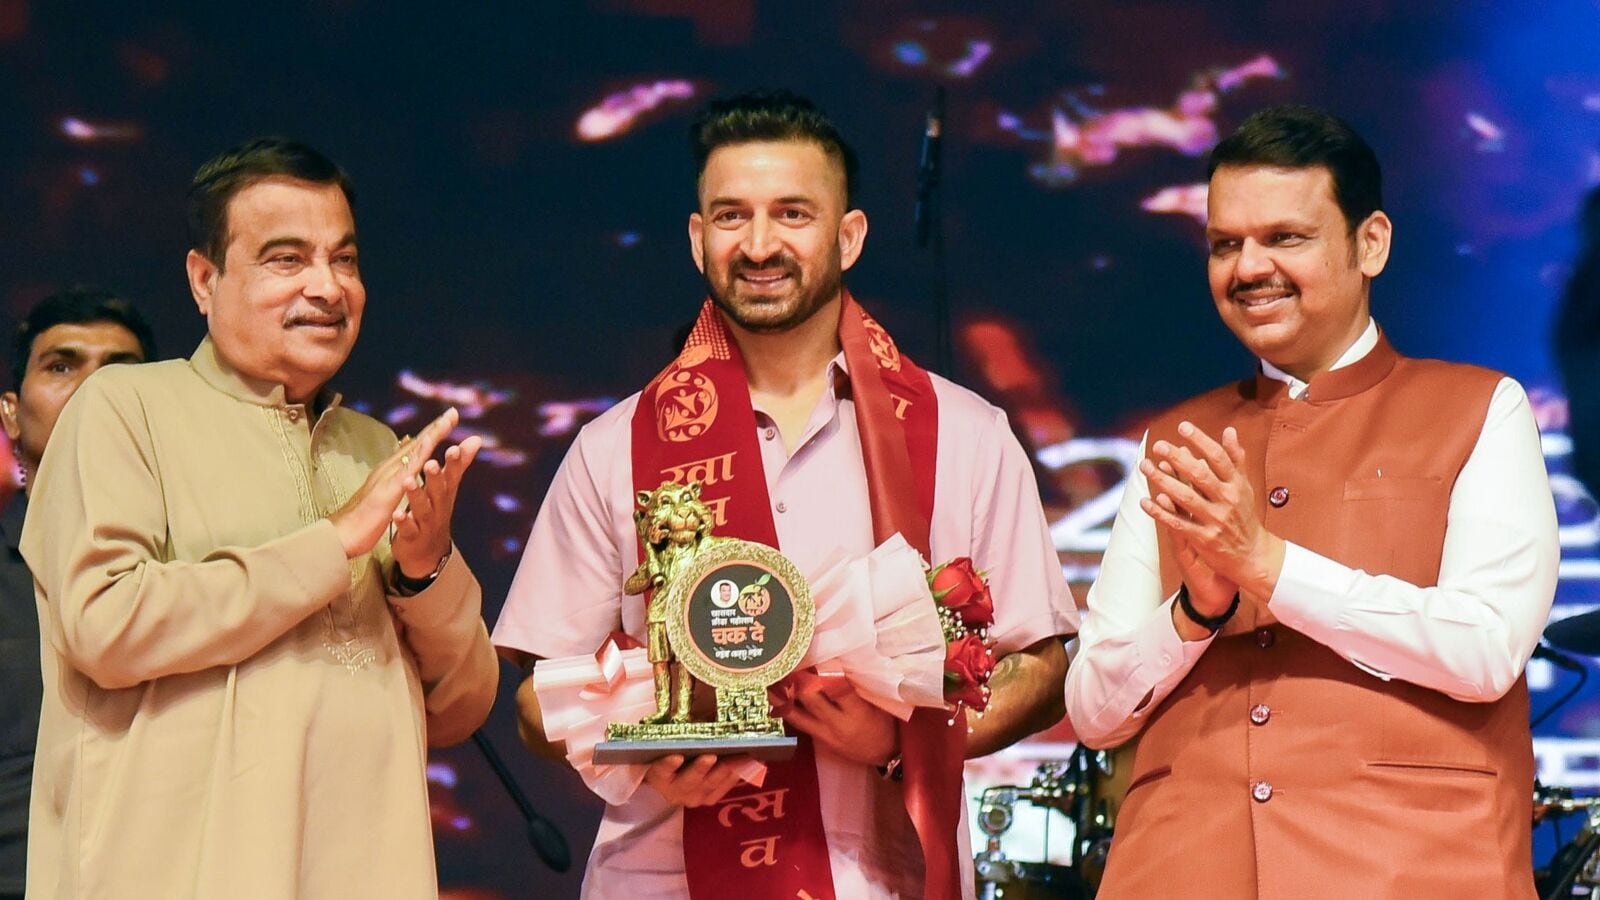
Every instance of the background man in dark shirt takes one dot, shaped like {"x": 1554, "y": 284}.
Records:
{"x": 61, "y": 341}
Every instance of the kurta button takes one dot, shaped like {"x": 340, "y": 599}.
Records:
{"x": 770, "y": 433}
{"x": 1265, "y": 637}
{"x": 1261, "y": 791}
{"x": 1278, "y": 497}
{"x": 294, "y": 414}
{"x": 1260, "y": 713}
{"x": 783, "y": 507}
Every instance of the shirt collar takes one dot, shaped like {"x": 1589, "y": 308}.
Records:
{"x": 1352, "y": 354}
{"x": 826, "y": 412}
{"x": 215, "y": 371}
{"x": 839, "y": 377}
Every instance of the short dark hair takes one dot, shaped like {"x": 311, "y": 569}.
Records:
{"x": 770, "y": 116}
{"x": 235, "y": 169}
{"x": 1302, "y": 137}
{"x": 76, "y": 306}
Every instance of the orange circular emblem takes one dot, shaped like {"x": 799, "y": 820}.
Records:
{"x": 686, "y": 405}
{"x": 756, "y": 602}
{"x": 882, "y": 346}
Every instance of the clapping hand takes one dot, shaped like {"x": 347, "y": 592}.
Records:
{"x": 1200, "y": 495}
{"x": 422, "y": 526}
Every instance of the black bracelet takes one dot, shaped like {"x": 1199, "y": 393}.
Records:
{"x": 1212, "y": 624}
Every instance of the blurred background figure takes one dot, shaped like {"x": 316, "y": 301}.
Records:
{"x": 62, "y": 340}
{"x": 1577, "y": 343}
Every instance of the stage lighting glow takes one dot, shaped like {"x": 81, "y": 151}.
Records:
{"x": 952, "y": 47}
{"x": 502, "y": 457}
{"x": 442, "y": 774}
{"x": 400, "y": 414}
{"x": 1183, "y": 199}
{"x": 562, "y": 416}
{"x": 1082, "y": 136}
{"x": 471, "y": 400}
{"x": 84, "y": 131}
{"x": 977, "y": 53}
{"x": 910, "y": 53}
{"x": 618, "y": 113}
{"x": 1491, "y": 138}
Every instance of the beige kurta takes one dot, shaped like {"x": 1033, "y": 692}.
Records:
{"x": 232, "y": 709}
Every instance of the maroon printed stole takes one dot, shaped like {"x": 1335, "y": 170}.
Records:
{"x": 695, "y": 422}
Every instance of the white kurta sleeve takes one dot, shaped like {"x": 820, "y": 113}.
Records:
{"x": 1130, "y": 656}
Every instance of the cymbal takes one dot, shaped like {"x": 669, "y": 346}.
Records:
{"x": 1576, "y": 634}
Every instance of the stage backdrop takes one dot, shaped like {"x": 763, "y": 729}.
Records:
{"x": 524, "y": 181}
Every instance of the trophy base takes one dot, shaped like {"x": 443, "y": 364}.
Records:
{"x": 761, "y": 746}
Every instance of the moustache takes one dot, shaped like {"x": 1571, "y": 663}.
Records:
{"x": 332, "y": 317}
{"x": 1275, "y": 283}
{"x": 744, "y": 264}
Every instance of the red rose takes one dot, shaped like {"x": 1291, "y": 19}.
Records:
{"x": 958, "y": 587}
{"x": 967, "y": 666}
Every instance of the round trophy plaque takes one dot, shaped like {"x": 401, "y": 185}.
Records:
{"x": 740, "y": 616}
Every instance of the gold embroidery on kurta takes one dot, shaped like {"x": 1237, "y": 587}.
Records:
{"x": 346, "y": 642}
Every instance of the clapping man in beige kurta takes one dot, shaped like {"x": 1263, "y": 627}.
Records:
{"x": 255, "y": 622}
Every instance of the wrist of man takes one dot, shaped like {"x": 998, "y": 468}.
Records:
{"x": 1268, "y": 557}
{"x": 1210, "y": 624}
{"x": 1188, "y": 631}
{"x": 406, "y": 585}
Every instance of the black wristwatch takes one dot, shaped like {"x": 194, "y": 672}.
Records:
{"x": 1212, "y": 624}
{"x": 403, "y": 585}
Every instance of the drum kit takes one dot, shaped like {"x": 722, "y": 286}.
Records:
{"x": 1087, "y": 788}
{"x": 1574, "y": 870}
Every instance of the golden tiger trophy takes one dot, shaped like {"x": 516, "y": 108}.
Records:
{"x": 734, "y": 614}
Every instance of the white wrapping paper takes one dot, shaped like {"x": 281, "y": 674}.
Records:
{"x": 878, "y": 624}
{"x": 580, "y": 695}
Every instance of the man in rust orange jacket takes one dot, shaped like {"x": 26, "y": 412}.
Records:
{"x": 1324, "y": 581}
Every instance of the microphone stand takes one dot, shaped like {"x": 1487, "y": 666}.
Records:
{"x": 929, "y": 227}
{"x": 543, "y": 834}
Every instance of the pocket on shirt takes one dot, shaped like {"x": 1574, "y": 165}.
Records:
{"x": 1393, "y": 487}
{"x": 1385, "y": 517}
{"x": 1147, "y": 778}
{"x": 1423, "y": 730}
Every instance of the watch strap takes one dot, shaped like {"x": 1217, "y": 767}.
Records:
{"x": 406, "y": 586}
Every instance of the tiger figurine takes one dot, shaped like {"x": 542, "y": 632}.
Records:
{"x": 674, "y": 525}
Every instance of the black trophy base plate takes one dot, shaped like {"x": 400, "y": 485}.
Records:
{"x": 763, "y": 748}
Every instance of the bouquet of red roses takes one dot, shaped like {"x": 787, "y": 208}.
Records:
{"x": 966, "y": 611}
